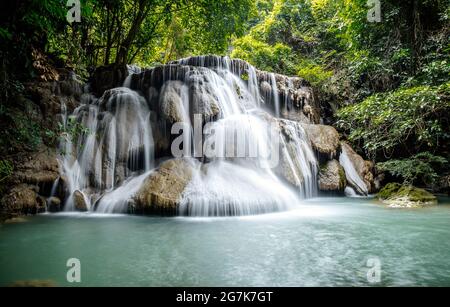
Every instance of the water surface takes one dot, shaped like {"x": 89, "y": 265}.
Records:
{"x": 322, "y": 242}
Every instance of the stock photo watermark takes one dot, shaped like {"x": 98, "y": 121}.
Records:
{"x": 373, "y": 274}
{"x": 74, "y": 273}
{"x": 74, "y": 13}
{"x": 253, "y": 139}
{"x": 374, "y": 13}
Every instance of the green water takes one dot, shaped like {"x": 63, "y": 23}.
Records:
{"x": 324, "y": 242}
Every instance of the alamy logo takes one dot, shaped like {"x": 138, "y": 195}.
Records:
{"x": 374, "y": 13}
{"x": 74, "y": 13}
{"x": 227, "y": 139}
{"x": 374, "y": 272}
{"x": 74, "y": 273}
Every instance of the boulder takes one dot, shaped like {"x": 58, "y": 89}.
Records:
{"x": 171, "y": 102}
{"x": 23, "y": 199}
{"x": 162, "y": 190}
{"x": 396, "y": 195}
{"x": 324, "y": 139}
{"x": 205, "y": 103}
{"x": 53, "y": 204}
{"x": 332, "y": 177}
{"x": 79, "y": 201}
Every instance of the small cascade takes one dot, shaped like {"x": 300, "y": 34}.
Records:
{"x": 132, "y": 70}
{"x": 257, "y": 163}
{"x": 350, "y": 192}
{"x": 53, "y": 193}
{"x": 107, "y": 141}
{"x": 276, "y": 96}
{"x": 352, "y": 175}
{"x": 54, "y": 187}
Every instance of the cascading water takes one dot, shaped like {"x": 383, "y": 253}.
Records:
{"x": 109, "y": 140}
{"x": 108, "y": 160}
{"x": 352, "y": 175}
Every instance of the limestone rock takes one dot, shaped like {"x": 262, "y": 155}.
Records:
{"x": 396, "y": 195}
{"x": 324, "y": 139}
{"x": 108, "y": 77}
{"x": 40, "y": 168}
{"x": 53, "y": 204}
{"x": 171, "y": 101}
{"x": 23, "y": 199}
{"x": 79, "y": 201}
{"x": 332, "y": 177}
{"x": 162, "y": 190}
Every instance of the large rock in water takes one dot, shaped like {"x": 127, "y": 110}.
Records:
{"x": 332, "y": 177}
{"x": 363, "y": 168}
{"x": 162, "y": 190}
{"x": 324, "y": 139}
{"x": 406, "y": 196}
{"x": 23, "y": 199}
{"x": 79, "y": 201}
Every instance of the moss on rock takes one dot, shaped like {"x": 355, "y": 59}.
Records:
{"x": 406, "y": 196}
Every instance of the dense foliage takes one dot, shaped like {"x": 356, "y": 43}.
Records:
{"x": 408, "y": 119}
{"x": 388, "y": 79}
{"x": 36, "y": 36}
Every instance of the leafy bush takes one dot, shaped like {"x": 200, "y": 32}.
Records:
{"x": 409, "y": 119}
{"x": 71, "y": 131}
{"x": 313, "y": 73}
{"x": 420, "y": 168}
{"x": 6, "y": 169}
{"x": 277, "y": 58}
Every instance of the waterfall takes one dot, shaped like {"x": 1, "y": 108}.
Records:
{"x": 351, "y": 174}
{"x": 276, "y": 96}
{"x": 107, "y": 140}
{"x": 113, "y": 142}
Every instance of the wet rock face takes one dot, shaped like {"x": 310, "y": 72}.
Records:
{"x": 48, "y": 98}
{"x": 40, "y": 168}
{"x": 296, "y": 98}
{"x": 32, "y": 182}
{"x": 53, "y": 204}
{"x": 42, "y": 103}
{"x": 108, "y": 77}
{"x": 23, "y": 199}
{"x": 405, "y": 196}
{"x": 332, "y": 177}
{"x": 171, "y": 101}
{"x": 162, "y": 191}
{"x": 79, "y": 201}
{"x": 324, "y": 139}
{"x": 294, "y": 95}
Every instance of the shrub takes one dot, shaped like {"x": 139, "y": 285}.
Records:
{"x": 409, "y": 119}
{"x": 420, "y": 168}
{"x": 313, "y": 73}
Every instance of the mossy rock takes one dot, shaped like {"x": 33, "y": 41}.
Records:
{"x": 332, "y": 177}
{"x": 406, "y": 196}
{"x": 389, "y": 190}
